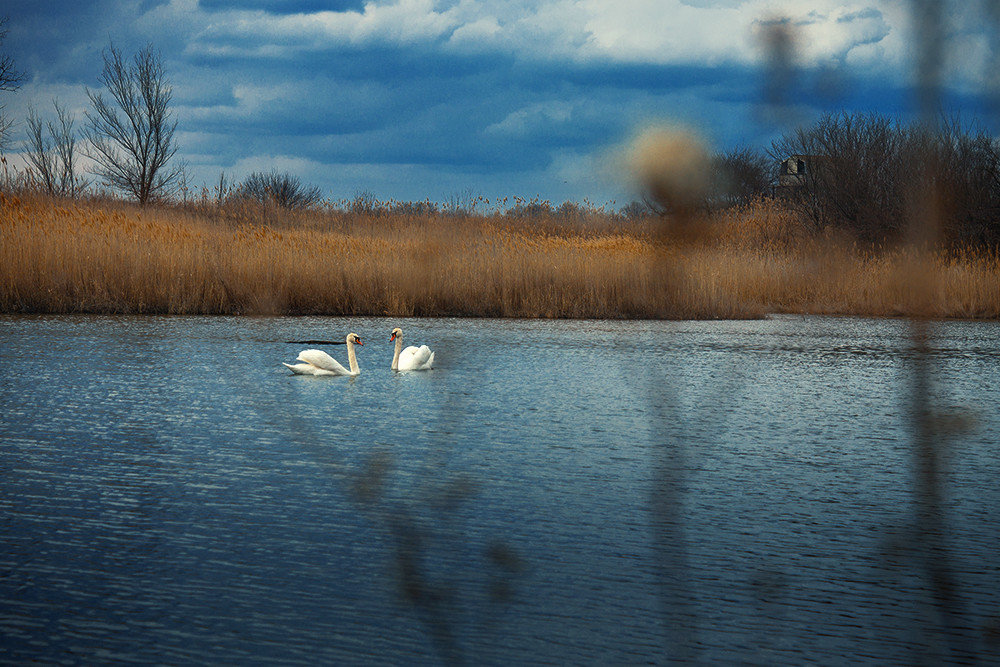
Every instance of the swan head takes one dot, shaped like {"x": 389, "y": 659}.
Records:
{"x": 396, "y": 333}
{"x": 353, "y": 338}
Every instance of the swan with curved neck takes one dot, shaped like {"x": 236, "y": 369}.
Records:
{"x": 318, "y": 362}
{"x": 412, "y": 358}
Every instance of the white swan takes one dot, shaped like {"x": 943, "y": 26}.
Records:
{"x": 318, "y": 362}
{"x": 412, "y": 358}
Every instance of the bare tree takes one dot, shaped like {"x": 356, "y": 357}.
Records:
{"x": 863, "y": 169}
{"x": 222, "y": 189}
{"x": 739, "y": 177}
{"x": 53, "y": 153}
{"x": 183, "y": 183}
{"x": 10, "y": 79}
{"x": 131, "y": 136}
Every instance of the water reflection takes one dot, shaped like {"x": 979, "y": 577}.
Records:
{"x": 170, "y": 493}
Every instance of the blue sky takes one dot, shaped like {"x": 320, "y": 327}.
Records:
{"x": 415, "y": 99}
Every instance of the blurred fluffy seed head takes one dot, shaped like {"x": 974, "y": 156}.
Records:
{"x": 671, "y": 166}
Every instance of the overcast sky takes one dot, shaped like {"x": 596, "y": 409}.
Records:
{"x": 414, "y": 99}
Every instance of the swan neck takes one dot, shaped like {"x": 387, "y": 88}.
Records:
{"x": 395, "y": 355}
{"x": 352, "y": 358}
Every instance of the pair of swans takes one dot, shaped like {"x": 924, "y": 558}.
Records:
{"x": 318, "y": 362}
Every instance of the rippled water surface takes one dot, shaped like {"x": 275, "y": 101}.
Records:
{"x": 568, "y": 492}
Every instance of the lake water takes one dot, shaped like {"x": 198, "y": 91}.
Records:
{"x": 553, "y": 492}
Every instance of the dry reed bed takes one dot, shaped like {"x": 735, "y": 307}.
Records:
{"x": 65, "y": 257}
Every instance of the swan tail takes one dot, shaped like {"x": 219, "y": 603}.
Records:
{"x": 324, "y": 361}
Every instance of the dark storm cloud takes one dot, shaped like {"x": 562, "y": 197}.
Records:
{"x": 410, "y": 97}
{"x": 416, "y": 106}
{"x": 60, "y": 40}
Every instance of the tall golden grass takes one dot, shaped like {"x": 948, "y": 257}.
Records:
{"x": 106, "y": 256}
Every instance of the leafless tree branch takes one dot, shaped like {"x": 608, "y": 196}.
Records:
{"x": 10, "y": 79}
{"x": 52, "y": 154}
{"x": 131, "y": 136}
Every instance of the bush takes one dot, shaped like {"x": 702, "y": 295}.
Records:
{"x": 365, "y": 203}
{"x": 530, "y": 209}
{"x": 636, "y": 210}
{"x": 415, "y": 208}
{"x": 281, "y": 189}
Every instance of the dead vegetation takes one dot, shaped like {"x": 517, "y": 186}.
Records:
{"x": 106, "y": 256}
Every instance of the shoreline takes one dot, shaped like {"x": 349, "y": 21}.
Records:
{"x": 765, "y": 316}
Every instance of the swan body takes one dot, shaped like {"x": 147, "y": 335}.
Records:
{"x": 318, "y": 362}
{"x": 412, "y": 358}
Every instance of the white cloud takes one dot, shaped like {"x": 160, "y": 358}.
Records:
{"x": 523, "y": 121}
{"x": 664, "y": 32}
{"x": 676, "y": 31}
{"x": 625, "y": 31}
{"x": 236, "y": 32}
{"x": 477, "y": 32}
{"x": 316, "y": 99}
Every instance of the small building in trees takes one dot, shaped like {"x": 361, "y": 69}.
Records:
{"x": 794, "y": 173}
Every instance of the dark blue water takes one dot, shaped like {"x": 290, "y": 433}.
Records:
{"x": 553, "y": 492}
